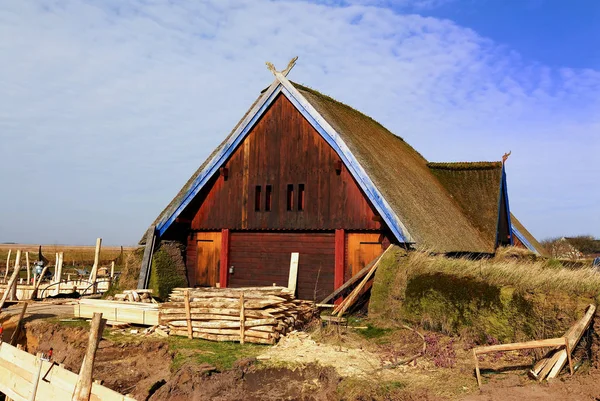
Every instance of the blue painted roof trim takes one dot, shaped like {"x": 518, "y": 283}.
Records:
{"x": 503, "y": 194}
{"x": 214, "y": 165}
{"x": 352, "y": 165}
{"x": 522, "y": 238}
{"x": 349, "y": 160}
{"x": 505, "y": 190}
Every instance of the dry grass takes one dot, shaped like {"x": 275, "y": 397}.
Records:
{"x": 512, "y": 267}
{"x": 72, "y": 253}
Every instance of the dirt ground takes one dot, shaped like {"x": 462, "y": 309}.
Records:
{"x": 329, "y": 363}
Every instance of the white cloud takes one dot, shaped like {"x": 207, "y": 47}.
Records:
{"x": 108, "y": 106}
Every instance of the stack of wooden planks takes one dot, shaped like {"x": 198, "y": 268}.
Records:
{"x": 119, "y": 312}
{"x": 256, "y": 315}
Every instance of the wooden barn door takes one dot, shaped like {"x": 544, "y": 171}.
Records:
{"x": 362, "y": 249}
{"x": 263, "y": 258}
{"x": 208, "y": 256}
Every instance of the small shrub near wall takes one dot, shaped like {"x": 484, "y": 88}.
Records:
{"x": 168, "y": 268}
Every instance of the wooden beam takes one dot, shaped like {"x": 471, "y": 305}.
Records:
{"x": 19, "y": 327}
{"x": 348, "y": 302}
{"x": 347, "y": 286}
{"x": 94, "y": 272}
{"x": 13, "y": 289}
{"x": 188, "y": 313}
{"x": 574, "y": 336}
{"x": 12, "y": 282}
{"x": 340, "y": 252}
{"x": 224, "y": 265}
{"x": 293, "y": 274}
{"x": 83, "y": 388}
{"x": 242, "y": 319}
{"x": 28, "y": 268}
{"x": 7, "y": 265}
{"x": 36, "y": 378}
{"x": 549, "y": 343}
{"x": 144, "y": 277}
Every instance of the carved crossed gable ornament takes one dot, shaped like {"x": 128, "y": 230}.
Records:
{"x": 505, "y": 157}
{"x": 285, "y": 71}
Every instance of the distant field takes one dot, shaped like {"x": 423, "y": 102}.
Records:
{"x": 74, "y": 255}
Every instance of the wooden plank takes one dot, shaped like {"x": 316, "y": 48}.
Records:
{"x": 293, "y": 275}
{"x": 242, "y": 319}
{"x": 573, "y": 337}
{"x": 144, "y": 277}
{"x": 11, "y": 283}
{"x": 343, "y": 307}
{"x": 348, "y": 284}
{"x": 188, "y": 314}
{"x": 94, "y": 272}
{"x": 551, "y": 342}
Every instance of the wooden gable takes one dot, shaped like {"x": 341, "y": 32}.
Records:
{"x": 282, "y": 176}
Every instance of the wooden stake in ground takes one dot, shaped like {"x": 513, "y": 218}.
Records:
{"x": 188, "y": 314}
{"x": 112, "y": 269}
{"x": 94, "y": 272}
{"x": 7, "y": 265}
{"x": 28, "y": 268}
{"x": 242, "y": 319}
{"x": 58, "y": 275}
{"x": 11, "y": 282}
{"x": 13, "y": 290}
{"x": 83, "y": 388}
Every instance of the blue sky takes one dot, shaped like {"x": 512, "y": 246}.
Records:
{"x": 107, "y": 107}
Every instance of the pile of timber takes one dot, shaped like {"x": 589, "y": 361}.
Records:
{"x": 256, "y": 315}
{"x": 142, "y": 296}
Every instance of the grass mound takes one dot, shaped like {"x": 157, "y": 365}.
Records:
{"x": 512, "y": 297}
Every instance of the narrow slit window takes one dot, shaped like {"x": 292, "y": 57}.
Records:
{"x": 257, "y": 198}
{"x": 268, "y": 198}
{"x": 300, "y": 197}
{"x": 290, "y": 197}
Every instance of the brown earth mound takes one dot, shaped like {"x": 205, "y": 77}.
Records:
{"x": 249, "y": 382}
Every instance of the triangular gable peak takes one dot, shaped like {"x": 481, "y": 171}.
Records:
{"x": 282, "y": 86}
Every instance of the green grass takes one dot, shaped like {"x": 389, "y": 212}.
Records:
{"x": 70, "y": 323}
{"x": 372, "y": 332}
{"x": 222, "y": 355}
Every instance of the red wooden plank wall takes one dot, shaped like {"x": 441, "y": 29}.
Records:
{"x": 283, "y": 149}
{"x": 261, "y": 258}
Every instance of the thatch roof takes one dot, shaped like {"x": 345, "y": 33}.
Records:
{"x": 401, "y": 174}
{"x": 476, "y": 188}
{"x": 430, "y": 199}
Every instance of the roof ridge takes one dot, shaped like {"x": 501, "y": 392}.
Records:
{"x": 480, "y": 165}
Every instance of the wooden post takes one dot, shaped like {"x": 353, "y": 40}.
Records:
{"x": 477, "y": 372}
{"x": 58, "y": 275}
{"x": 242, "y": 319}
{"x": 568, "y": 349}
{"x": 11, "y": 282}
{"x": 83, "y": 388}
{"x": 293, "y": 275}
{"x": 112, "y": 269}
{"x": 94, "y": 272}
{"x": 188, "y": 314}
{"x": 28, "y": 268}
{"x": 224, "y": 265}
{"x": 17, "y": 332}
{"x": 7, "y": 265}
{"x": 36, "y": 378}
{"x": 13, "y": 292}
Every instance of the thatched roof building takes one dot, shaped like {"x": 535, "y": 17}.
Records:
{"x": 359, "y": 181}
